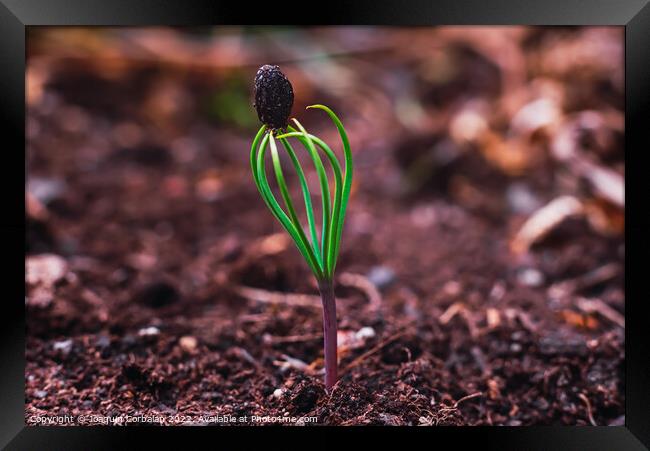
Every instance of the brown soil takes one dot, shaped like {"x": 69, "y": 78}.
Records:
{"x": 163, "y": 239}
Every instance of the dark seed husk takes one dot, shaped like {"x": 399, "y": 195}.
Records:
{"x": 273, "y": 97}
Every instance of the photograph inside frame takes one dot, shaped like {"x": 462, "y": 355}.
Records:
{"x": 325, "y": 226}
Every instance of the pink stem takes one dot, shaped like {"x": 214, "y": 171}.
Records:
{"x": 326, "y": 288}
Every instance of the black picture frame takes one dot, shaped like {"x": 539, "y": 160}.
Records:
{"x": 17, "y": 15}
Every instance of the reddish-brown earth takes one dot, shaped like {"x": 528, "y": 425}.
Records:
{"x": 175, "y": 292}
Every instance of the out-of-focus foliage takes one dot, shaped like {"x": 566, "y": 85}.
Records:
{"x": 231, "y": 104}
{"x": 498, "y": 119}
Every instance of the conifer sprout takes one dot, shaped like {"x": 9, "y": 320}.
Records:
{"x": 273, "y": 102}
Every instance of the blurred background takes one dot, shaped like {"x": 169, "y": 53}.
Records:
{"x": 489, "y": 178}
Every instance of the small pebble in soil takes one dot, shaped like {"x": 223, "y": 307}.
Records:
{"x": 515, "y": 348}
{"x": 188, "y": 343}
{"x": 353, "y": 340}
{"x": 278, "y": 392}
{"x": 423, "y": 216}
{"x": 40, "y": 394}
{"x": 517, "y": 336}
{"x": 381, "y": 276}
{"x": 498, "y": 290}
{"x": 390, "y": 420}
{"x": 365, "y": 333}
{"x": 530, "y": 277}
{"x": 452, "y": 288}
{"x": 45, "y": 269}
{"x": 521, "y": 199}
{"x": 64, "y": 347}
{"x": 149, "y": 331}
{"x": 103, "y": 341}
{"x": 46, "y": 190}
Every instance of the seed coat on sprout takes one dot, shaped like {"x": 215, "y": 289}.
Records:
{"x": 273, "y": 102}
{"x": 273, "y": 97}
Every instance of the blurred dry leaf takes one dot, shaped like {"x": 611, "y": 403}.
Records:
{"x": 566, "y": 288}
{"x": 539, "y": 113}
{"x": 584, "y": 321}
{"x": 512, "y": 156}
{"x": 544, "y": 220}
{"x": 606, "y": 183}
{"x": 363, "y": 284}
{"x": 593, "y": 50}
{"x": 605, "y": 218}
{"x": 597, "y": 306}
{"x": 272, "y": 244}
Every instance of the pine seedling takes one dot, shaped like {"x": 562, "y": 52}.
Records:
{"x": 273, "y": 102}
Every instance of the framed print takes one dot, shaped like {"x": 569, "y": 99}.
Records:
{"x": 407, "y": 217}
